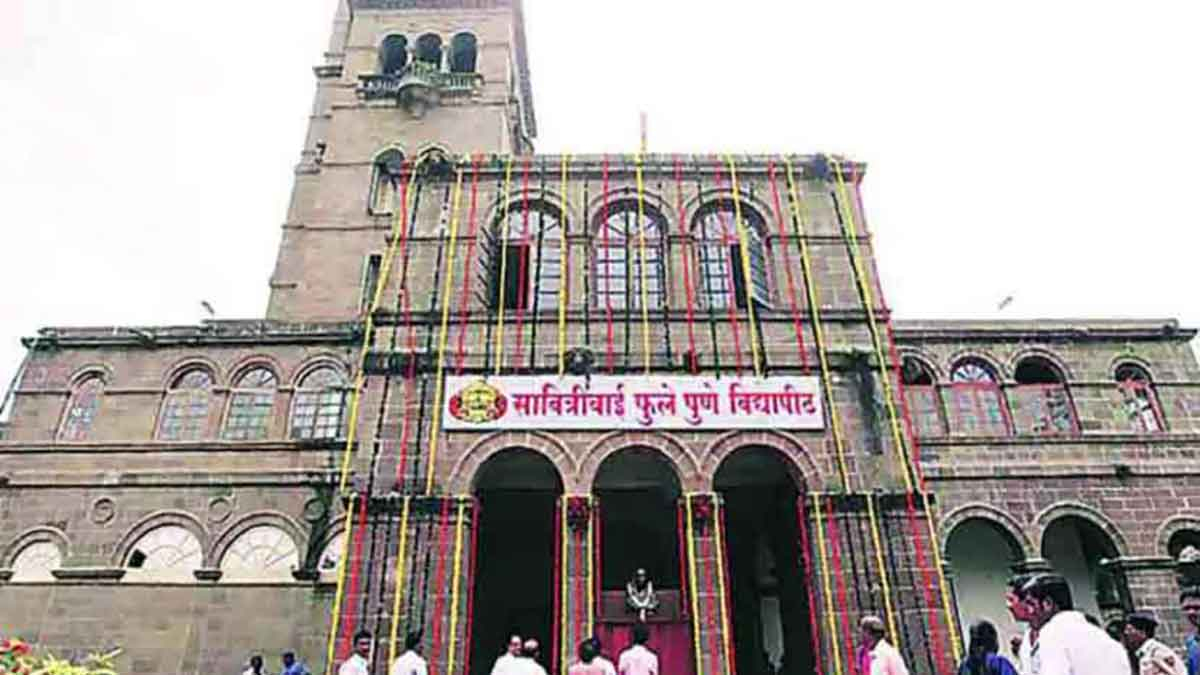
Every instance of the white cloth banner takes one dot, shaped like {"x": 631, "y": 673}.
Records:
{"x": 632, "y": 402}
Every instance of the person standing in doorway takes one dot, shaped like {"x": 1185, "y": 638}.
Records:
{"x": 638, "y": 659}
{"x": 878, "y": 656}
{"x": 291, "y": 666}
{"x": 255, "y": 666}
{"x": 410, "y": 662}
{"x": 359, "y": 662}
{"x": 587, "y": 664}
{"x": 1189, "y": 602}
{"x": 527, "y": 662}
{"x": 1152, "y": 656}
{"x": 1066, "y": 643}
{"x": 509, "y": 657}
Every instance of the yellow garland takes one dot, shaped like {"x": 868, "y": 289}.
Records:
{"x": 908, "y": 461}
{"x": 833, "y": 638}
{"x": 814, "y": 304}
{"x": 691, "y": 545}
{"x": 341, "y": 586}
{"x": 887, "y": 591}
{"x": 438, "y": 385}
{"x": 503, "y": 266}
{"x": 744, "y": 246}
{"x": 399, "y": 580}
{"x": 719, "y": 542}
{"x": 641, "y": 200}
{"x": 564, "y": 278}
{"x": 458, "y": 544}
{"x": 369, "y": 328}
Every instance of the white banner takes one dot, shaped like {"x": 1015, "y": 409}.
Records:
{"x": 632, "y": 402}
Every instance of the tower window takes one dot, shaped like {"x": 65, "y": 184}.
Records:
{"x": 386, "y": 174}
{"x": 463, "y": 52}
{"x": 370, "y": 281}
{"x": 429, "y": 50}
{"x": 620, "y": 266}
{"x": 719, "y": 246}
{"x": 527, "y": 269}
{"x": 1138, "y": 397}
{"x": 393, "y": 55}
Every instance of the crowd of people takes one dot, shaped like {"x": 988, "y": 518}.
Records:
{"x": 1058, "y": 640}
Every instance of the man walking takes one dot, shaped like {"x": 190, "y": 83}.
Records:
{"x": 410, "y": 662}
{"x": 877, "y": 656}
{"x": 1152, "y": 656}
{"x": 1066, "y": 643}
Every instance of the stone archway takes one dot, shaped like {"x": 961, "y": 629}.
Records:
{"x": 1075, "y": 539}
{"x": 518, "y": 489}
{"x": 981, "y": 551}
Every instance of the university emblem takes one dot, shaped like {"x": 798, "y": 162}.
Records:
{"x": 478, "y": 403}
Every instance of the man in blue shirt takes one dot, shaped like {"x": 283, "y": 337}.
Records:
{"x": 1189, "y": 602}
{"x": 291, "y": 666}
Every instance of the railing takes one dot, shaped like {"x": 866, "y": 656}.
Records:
{"x": 417, "y": 73}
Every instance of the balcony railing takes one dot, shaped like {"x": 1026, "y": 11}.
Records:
{"x": 417, "y": 74}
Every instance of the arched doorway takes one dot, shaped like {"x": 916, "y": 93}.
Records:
{"x": 768, "y": 596}
{"x": 638, "y": 493}
{"x": 981, "y": 553}
{"x": 1075, "y": 546}
{"x": 517, "y": 491}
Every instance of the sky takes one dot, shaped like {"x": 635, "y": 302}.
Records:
{"x": 1039, "y": 150}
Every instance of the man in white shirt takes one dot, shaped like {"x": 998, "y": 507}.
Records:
{"x": 881, "y": 657}
{"x": 509, "y": 657}
{"x": 410, "y": 662}
{"x": 1153, "y": 657}
{"x": 359, "y": 662}
{"x": 1066, "y": 643}
{"x": 605, "y": 664}
{"x": 1014, "y": 600}
{"x": 526, "y": 663}
{"x": 638, "y": 659}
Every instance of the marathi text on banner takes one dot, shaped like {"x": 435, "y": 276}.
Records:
{"x": 614, "y": 402}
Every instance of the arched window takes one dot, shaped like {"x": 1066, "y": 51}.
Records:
{"x": 317, "y": 409}
{"x": 34, "y": 562}
{"x": 261, "y": 551}
{"x": 463, "y": 51}
{"x": 185, "y": 409}
{"x": 1137, "y": 395}
{"x": 393, "y": 55}
{"x": 619, "y": 264}
{"x": 386, "y": 174}
{"x": 429, "y": 50}
{"x": 923, "y": 400}
{"x": 977, "y": 406}
{"x": 528, "y": 268}
{"x": 720, "y": 254}
{"x": 81, "y": 409}
{"x": 169, "y": 549}
{"x": 250, "y": 406}
{"x": 1041, "y": 404}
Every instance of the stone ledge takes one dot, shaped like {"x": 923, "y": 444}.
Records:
{"x": 208, "y": 446}
{"x": 88, "y": 573}
{"x": 211, "y": 574}
{"x": 6, "y": 575}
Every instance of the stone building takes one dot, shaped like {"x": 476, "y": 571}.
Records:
{"x": 490, "y": 384}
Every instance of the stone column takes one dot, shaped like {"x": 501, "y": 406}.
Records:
{"x": 707, "y": 583}
{"x": 576, "y": 601}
